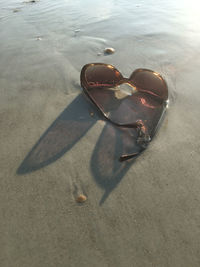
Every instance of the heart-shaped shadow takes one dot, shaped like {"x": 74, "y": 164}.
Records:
{"x": 72, "y": 124}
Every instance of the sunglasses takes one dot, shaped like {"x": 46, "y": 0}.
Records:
{"x": 137, "y": 102}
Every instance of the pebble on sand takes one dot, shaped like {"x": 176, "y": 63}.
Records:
{"x": 16, "y": 10}
{"x": 30, "y": 1}
{"x": 109, "y": 50}
{"x": 81, "y": 198}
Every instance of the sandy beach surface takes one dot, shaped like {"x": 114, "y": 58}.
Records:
{"x": 54, "y": 145}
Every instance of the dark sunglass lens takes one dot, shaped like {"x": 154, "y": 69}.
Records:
{"x": 101, "y": 76}
{"x": 150, "y": 82}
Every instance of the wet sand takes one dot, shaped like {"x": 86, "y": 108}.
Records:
{"x": 141, "y": 213}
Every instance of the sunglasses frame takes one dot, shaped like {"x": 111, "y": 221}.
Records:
{"x": 143, "y": 137}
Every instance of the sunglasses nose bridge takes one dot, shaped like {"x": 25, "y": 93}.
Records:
{"x": 124, "y": 80}
{"x": 127, "y": 81}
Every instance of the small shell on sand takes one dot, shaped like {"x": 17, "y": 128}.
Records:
{"x": 16, "y": 10}
{"x": 30, "y": 1}
{"x": 109, "y": 50}
{"x": 81, "y": 198}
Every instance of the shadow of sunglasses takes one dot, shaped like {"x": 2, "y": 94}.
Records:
{"x": 138, "y": 102}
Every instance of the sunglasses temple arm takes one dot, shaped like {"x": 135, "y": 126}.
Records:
{"x": 136, "y": 125}
{"x": 130, "y": 156}
{"x": 143, "y": 139}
